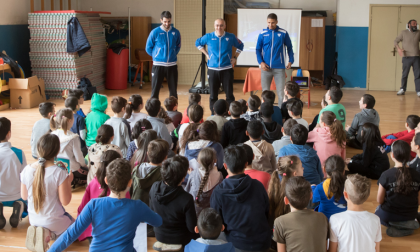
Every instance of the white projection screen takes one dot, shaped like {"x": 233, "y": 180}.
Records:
{"x": 251, "y": 22}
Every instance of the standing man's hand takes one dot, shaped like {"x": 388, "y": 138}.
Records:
{"x": 289, "y": 65}
{"x": 401, "y": 52}
{"x": 233, "y": 61}
{"x": 264, "y": 66}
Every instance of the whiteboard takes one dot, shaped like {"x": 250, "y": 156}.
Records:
{"x": 251, "y": 23}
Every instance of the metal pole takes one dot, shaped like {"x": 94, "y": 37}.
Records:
{"x": 203, "y": 57}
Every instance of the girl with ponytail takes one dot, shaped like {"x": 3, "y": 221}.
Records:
{"x": 140, "y": 126}
{"x": 398, "y": 193}
{"x": 287, "y": 167}
{"x": 329, "y": 194}
{"x": 47, "y": 187}
{"x": 203, "y": 179}
{"x": 133, "y": 108}
{"x": 330, "y": 138}
{"x": 415, "y": 147}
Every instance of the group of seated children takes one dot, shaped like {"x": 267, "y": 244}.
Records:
{"x": 237, "y": 175}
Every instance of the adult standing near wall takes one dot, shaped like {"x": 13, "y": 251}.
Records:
{"x": 163, "y": 44}
{"x": 220, "y": 61}
{"x": 271, "y": 48}
{"x": 410, "y": 54}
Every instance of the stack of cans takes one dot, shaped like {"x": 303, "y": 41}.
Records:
{"x": 48, "y": 51}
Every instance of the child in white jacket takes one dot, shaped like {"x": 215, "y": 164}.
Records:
{"x": 70, "y": 150}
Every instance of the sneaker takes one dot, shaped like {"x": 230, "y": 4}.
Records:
{"x": 159, "y": 246}
{"x": 2, "y": 219}
{"x": 401, "y": 92}
{"x": 418, "y": 94}
{"x": 43, "y": 238}
{"x": 30, "y": 238}
{"x": 410, "y": 225}
{"x": 395, "y": 232}
{"x": 16, "y": 216}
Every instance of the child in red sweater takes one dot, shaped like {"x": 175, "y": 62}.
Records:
{"x": 406, "y": 135}
{"x": 195, "y": 99}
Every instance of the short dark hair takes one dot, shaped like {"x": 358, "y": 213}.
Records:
{"x": 272, "y": 16}
{"x": 170, "y": 103}
{"x": 294, "y": 106}
{"x": 153, "y": 107}
{"x": 174, "y": 170}
{"x": 254, "y": 102}
{"x": 78, "y": 93}
{"x": 298, "y": 192}
{"x": 267, "y": 110}
{"x": 105, "y": 132}
{"x": 5, "y": 126}
{"x": 118, "y": 103}
{"x": 243, "y": 105}
{"x": 268, "y": 96}
{"x": 292, "y": 88}
{"x": 157, "y": 151}
{"x": 194, "y": 99}
{"x": 288, "y": 125}
{"x": 118, "y": 174}
{"x": 165, "y": 14}
{"x": 235, "y": 109}
{"x": 255, "y": 129}
{"x": 249, "y": 152}
{"x": 220, "y": 107}
{"x": 412, "y": 121}
{"x": 71, "y": 102}
{"x": 336, "y": 94}
{"x": 299, "y": 134}
{"x": 369, "y": 100}
{"x": 234, "y": 159}
{"x": 209, "y": 224}
{"x": 45, "y": 108}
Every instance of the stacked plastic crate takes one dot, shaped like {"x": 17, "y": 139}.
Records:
{"x": 48, "y": 51}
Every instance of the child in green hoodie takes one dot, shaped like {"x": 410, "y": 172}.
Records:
{"x": 96, "y": 117}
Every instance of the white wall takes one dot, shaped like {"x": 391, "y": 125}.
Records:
{"x": 356, "y": 12}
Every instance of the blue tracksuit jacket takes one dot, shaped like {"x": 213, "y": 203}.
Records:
{"x": 164, "y": 46}
{"x": 219, "y": 49}
{"x": 271, "y": 48}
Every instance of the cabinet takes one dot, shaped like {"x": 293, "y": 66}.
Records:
{"x": 312, "y": 43}
{"x": 140, "y": 30}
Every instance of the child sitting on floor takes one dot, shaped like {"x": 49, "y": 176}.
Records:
{"x": 329, "y": 194}
{"x": 47, "y": 187}
{"x": 166, "y": 119}
{"x": 269, "y": 96}
{"x": 140, "y": 126}
{"x": 355, "y": 229}
{"x": 209, "y": 226}
{"x": 398, "y": 194}
{"x": 158, "y": 124}
{"x": 291, "y": 90}
{"x": 333, "y": 97}
{"x": 194, "y": 99}
{"x": 121, "y": 133}
{"x": 272, "y": 130}
{"x": 12, "y": 163}
{"x": 406, "y": 135}
{"x": 171, "y": 105}
{"x": 263, "y": 177}
{"x": 42, "y": 126}
{"x": 195, "y": 113}
{"x": 254, "y": 104}
{"x": 415, "y": 147}
{"x": 96, "y": 118}
{"x": 103, "y": 143}
{"x": 79, "y": 94}
{"x": 234, "y": 130}
{"x": 302, "y": 229}
{"x": 285, "y": 139}
{"x": 294, "y": 108}
{"x": 244, "y": 105}
{"x": 219, "y": 109}
{"x": 113, "y": 222}
{"x": 79, "y": 125}
{"x": 133, "y": 108}
{"x": 140, "y": 156}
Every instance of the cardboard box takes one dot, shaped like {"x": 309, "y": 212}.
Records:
{"x": 26, "y": 93}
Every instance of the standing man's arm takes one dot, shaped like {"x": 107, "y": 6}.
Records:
{"x": 150, "y": 44}
{"x": 200, "y": 43}
{"x": 178, "y": 43}
{"x": 289, "y": 46}
{"x": 259, "y": 50}
{"x": 398, "y": 40}
{"x": 239, "y": 47}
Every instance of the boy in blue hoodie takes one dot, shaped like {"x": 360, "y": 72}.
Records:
{"x": 243, "y": 205}
{"x": 310, "y": 160}
{"x": 209, "y": 226}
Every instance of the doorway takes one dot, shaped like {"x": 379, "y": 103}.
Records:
{"x": 384, "y": 62}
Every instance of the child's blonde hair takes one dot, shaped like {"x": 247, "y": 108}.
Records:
{"x": 60, "y": 121}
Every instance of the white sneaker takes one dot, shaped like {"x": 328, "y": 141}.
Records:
{"x": 30, "y": 238}
{"x": 418, "y": 94}
{"x": 159, "y": 246}
{"x": 401, "y": 92}
{"x": 16, "y": 216}
{"x": 43, "y": 238}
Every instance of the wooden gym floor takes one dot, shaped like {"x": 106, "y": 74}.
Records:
{"x": 392, "y": 109}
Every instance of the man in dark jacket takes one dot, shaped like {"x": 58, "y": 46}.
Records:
{"x": 272, "y": 130}
{"x": 243, "y": 204}
{"x": 234, "y": 130}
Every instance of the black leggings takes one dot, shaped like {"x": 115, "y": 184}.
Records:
{"x": 387, "y": 217}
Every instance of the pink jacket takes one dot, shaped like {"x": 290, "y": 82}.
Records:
{"x": 324, "y": 145}
{"x": 93, "y": 191}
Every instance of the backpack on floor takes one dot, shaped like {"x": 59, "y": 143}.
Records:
{"x": 86, "y": 86}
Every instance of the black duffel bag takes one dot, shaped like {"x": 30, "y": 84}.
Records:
{"x": 86, "y": 86}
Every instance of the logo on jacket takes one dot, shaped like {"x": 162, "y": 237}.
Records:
{"x": 227, "y": 39}
{"x": 278, "y": 34}
{"x": 173, "y": 33}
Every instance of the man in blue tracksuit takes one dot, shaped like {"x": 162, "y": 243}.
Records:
{"x": 220, "y": 61}
{"x": 163, "y": 44}
{"x": 271, "y": 48}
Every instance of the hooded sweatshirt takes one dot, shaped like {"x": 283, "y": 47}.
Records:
{"x": 176, "y": 207}
{"x": 243, "y": 204}
{"x": 272, "y": 132}
{"x": 121, "y": 134}
{"x": 324, "y": 144}
{"x": 278, "y": 144}
{"x": 96, "y": 117}
{"x": 234, "y": 132}
{"x": 194, "y": 147}
{"x": 95, "y": 152}
{"x": 204, "y": 245}
{"x": 144, "y": 176}
{"x": 70, "y": 149}
{"x": 264, "y": 157}
{"x": 159, "y": 126}
{"x": 364, "y": 116}
{"x": 310, "y": 161}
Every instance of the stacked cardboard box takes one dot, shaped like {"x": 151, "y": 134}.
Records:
{"x": 48, "y": 51}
